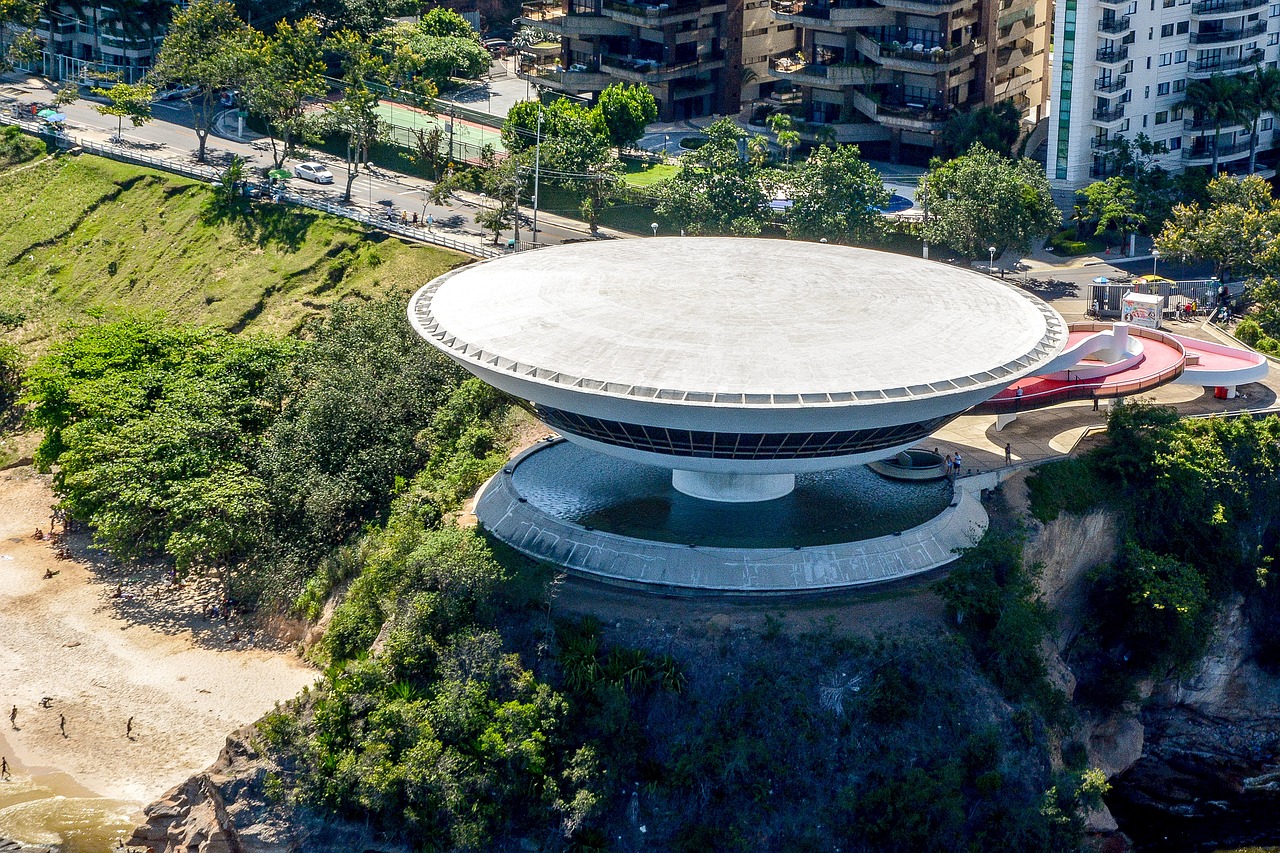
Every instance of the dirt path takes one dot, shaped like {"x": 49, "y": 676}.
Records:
{"x": 101, "y": 660}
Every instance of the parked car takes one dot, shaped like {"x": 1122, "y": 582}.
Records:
{"x": 498, "y": 47}
{"x": 313, "y": 172}
{"x": 178, "y": 93}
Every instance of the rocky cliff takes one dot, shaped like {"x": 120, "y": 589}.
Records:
{"x": 228, "y": 809}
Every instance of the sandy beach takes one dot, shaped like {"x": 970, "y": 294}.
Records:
{"x": 150, "y": 654}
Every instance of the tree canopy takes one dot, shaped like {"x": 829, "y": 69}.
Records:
{"x": 210, "y": 48}
{"x": 981, "y": 199}
{"x": 996, "y": 127}
{"x": 716, "y": 190}
{"x": 286, "y": 77}
{"x": 626, "y": 111}
{"x": 1236, "y": 229}
{"x": 836, "y": 195}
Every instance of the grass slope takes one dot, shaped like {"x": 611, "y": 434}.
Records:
{"x": 86, "y": 237}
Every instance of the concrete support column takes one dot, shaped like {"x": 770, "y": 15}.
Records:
{"x": 1003, "y": 421}
{"x": 732, "y": 488}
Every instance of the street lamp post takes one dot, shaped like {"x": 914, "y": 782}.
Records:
{"x": 991, "y": 265}
{"x": 1155, "y": 259}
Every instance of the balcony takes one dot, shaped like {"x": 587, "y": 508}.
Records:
{"x": 1225, "y": 36}
{"x": 1225, "y": 7}
{"x": 914, "y": 58}
{"x": 829, "y": 15}
{"x": 655, "y": 71}
{"x": 658, "y": 14}
{"x": 1223, "y": 64}
{"x": 923, "y": 118}
{"x": 1106, "y": 115}
{"x": 1112, "y": 55}
{"x": 1114, "y": 26}
{"x": 1235, "y": 150}
{"x": 551, "y": 76}
{"x": 928, "y": 7}
{"x": 1199, "y": 125}
{"x": 1016, "y": 84}
{"x": 554, "y": 19}
{"x": 1109, "y": 86}
{"x": 843, "y": 132}
{"x": 835, "y": 76}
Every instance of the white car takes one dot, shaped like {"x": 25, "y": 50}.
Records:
{"x": 313, "y": 172}
{"x": 178, "y": 93}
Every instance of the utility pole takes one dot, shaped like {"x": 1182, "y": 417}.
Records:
{"x": 515, "y": 197}
{"x": 537, "y": 167}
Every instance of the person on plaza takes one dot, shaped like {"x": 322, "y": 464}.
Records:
{"x": 1008, "y": 453}
{"x": 957, "y": 463}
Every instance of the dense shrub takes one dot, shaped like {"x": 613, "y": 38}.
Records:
{"x": 1070, "y": 485}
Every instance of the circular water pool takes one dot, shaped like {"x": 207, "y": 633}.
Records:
{"x": 615, "y": 496}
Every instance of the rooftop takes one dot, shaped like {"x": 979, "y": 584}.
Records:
{"x": 746, "y": 322}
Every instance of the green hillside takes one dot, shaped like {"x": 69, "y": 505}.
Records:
{"x": 84, "y": 237}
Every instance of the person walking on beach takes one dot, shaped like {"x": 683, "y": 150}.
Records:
{"x": 62, "y": 724}
{"x": 4, "y": 768}
{"x": 13, "y": 717}
{"x": 128, "y": 729}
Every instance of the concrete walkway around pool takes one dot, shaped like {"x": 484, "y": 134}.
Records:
{"x": 686, "y": 570}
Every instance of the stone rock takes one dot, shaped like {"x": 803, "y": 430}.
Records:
{"x": 1099, "y": 820}
{"x": 1114, "y": 742}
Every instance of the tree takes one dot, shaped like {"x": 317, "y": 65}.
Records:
{"x": 572, "y": 123}
{"x": 982, "y": 199}
{"x": 1236, "y": 229}
{"x": 784, "y": 127}
{"x": 1260, "y": 93}
{"x": 355, "y": 114}
{"x": 423, "y": 63}
{"x": 627, "y": 110}
{"x": 210, "y": 48}
{"x": 716, "y": 190}
{"x": 996, "y": 127}
{"x": 1217, "y": 101}
{"x": 836, "y": 195}
{"x": 502, "y": 186}
{"x": 286, "y": 77}
{"x": 126, "y": 101}
{"x": 1112, "y": 204}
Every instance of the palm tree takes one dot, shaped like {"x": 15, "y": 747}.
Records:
{"x": 1216, "y": 100}
{"x": 1261, "y": 94}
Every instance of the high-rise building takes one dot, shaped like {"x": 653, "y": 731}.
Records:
{"x": 86, "y": 40}
{"x": 1122, "y": 68}
{"x": 893, "y": 71}
{"x": 688, "y": 52}
{"x": 888, "y": 71}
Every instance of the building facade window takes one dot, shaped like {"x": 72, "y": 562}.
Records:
{"x": 1162, "y": 89}
{"x": 1267, "y": 124}
{"x": 1179, "y": 86}
{"x": 1179, "y": 56}
{"x": 1166, "y": 30}
{"x": 1162, "y": 117}
{"x": 1273, "y": 38}
{"x": 1166, "y": 59}
{"x": 1175, "y": 143}
{"x": 1183, "y": 27}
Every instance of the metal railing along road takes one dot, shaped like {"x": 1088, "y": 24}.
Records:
{"x": 202, "y": 172}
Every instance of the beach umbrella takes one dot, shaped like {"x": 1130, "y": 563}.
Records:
{"x": 1102, "y": 279}
{"x": 280, "y": 174}
{"x": 46, "y": 113}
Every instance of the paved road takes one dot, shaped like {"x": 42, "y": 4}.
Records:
{"x": 171, "y": 136}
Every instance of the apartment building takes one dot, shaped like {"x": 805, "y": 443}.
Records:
{"x": 1122, "y": 68}
{"x": 82, "y": 40}
{"x": 688, "y": 52}
{"x": 888, "y": 74}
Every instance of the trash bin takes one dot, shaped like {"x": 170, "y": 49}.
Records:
{"x": 1220, "y": 393}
